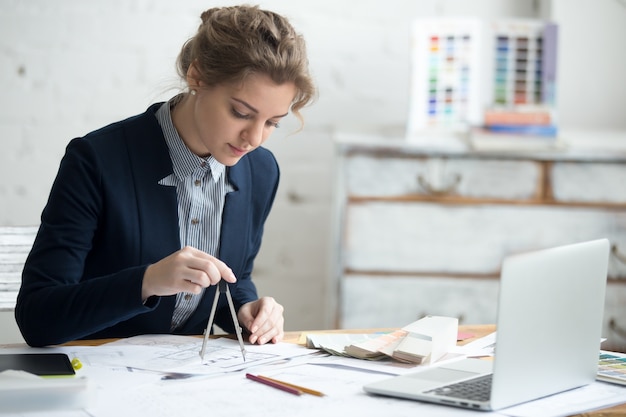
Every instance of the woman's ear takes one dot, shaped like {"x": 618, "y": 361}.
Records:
{"x": 193, "y": 76}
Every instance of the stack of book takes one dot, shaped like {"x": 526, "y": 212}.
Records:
{"x": 535, "y": 121}
{"x": 518, "y": 128}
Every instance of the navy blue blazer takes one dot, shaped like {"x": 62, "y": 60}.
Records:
{"x": 107, "y": 219}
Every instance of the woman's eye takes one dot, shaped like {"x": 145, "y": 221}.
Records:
{"x": 239, "y": 115}
{"x": 243, "y": 116}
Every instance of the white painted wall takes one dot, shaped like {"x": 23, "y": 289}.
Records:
{"x": 592, "y": 63}
{"x": 9, "y": 333}
{"x": 69, "y": 66}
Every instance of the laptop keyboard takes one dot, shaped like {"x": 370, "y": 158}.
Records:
{"x": 477, "y": 389}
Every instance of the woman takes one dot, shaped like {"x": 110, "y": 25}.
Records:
{"x": 147, "y": 214}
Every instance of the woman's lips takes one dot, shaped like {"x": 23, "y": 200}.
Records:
{"x": 238, "y": 151}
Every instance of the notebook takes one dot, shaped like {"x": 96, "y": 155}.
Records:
{"x": 549, "y": 323}
{"x": 43, "y": 364}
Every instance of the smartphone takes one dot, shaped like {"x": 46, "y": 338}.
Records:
{"x": 42, "y": 364}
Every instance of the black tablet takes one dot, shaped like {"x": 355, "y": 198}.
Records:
{"x": 43, "y": 364}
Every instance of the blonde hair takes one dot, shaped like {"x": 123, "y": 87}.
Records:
{"x": 234, "y": 42}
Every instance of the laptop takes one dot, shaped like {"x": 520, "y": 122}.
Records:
{"x": 549, "y": 324}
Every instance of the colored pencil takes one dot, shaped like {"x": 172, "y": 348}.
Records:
{"x": 273, "y": 384}
{"x": 298, "y": 387}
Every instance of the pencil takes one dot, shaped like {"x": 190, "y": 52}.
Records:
{"x": 298, "y": 387}
{"x": 273, "y": 384}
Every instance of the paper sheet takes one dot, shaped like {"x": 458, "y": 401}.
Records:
{"x": 234, "y": 395}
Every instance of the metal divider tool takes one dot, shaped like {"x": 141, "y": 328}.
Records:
{"x": 222, "y": 287}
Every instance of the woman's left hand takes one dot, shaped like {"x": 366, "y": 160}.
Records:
{"x": 264, "y": 320}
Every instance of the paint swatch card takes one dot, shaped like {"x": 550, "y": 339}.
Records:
{"x": 445, "y": 73}
{"x": 523, "y": 55}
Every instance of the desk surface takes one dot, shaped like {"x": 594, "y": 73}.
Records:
{"x": 477, "y": 330}
{"x": 297, "y": 337}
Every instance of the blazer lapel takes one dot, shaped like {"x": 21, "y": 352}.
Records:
{"x": 235, "y": 218}
{"x": 157, "y": 204}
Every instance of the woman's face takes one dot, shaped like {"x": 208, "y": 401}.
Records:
{"x": 227, "y": 121}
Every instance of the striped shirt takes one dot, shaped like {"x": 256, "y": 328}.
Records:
{"x": 201, "y": 186}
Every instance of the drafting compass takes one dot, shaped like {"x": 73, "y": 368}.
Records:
{"x": 222, "y": 287}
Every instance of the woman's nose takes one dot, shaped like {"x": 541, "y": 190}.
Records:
{"x": 253, "y": 135}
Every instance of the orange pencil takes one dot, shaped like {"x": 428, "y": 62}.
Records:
{"x": 294, "y": 386}
{"x": 274, "y": 384}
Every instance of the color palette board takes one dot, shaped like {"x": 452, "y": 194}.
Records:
{"x": 444, "y": 73}
{"x": 612, "y": 367}
{"x": 518, "y": 62}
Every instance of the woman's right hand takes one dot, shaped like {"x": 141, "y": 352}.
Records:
{"x": 187, "y": 270}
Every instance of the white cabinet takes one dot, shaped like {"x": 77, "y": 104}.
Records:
{"x": 424, "y": 231}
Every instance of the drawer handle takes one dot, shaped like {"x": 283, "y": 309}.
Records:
{"x": 443, "y": 190}
{"x": 617, "y": 254}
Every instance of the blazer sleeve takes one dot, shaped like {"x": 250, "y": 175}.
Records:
{"x": 57, "y": 301}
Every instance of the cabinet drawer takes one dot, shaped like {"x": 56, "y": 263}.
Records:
{"x": 467, "y": 177}
{"x": 589, "y": 182}
{"x": 397, "y": 301}
{"x": 428, "y": 238}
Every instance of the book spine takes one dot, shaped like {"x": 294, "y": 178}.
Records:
{"x": 531, "y": 130}
{"x": 517, "y": 118}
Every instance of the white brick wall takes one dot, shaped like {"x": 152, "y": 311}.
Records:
{"x": 70, "y": 66}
